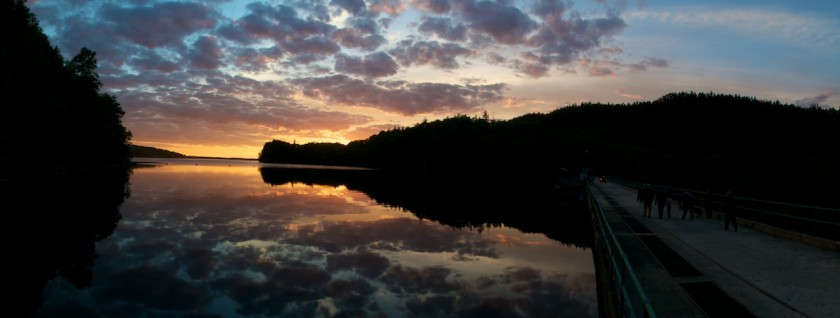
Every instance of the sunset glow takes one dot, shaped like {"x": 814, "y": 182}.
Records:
{"x": 221, "y": 78}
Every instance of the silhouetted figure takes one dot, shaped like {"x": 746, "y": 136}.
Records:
{"x": 645, "y": 195}
{"x": 729, "y": 212}
{"x": 687, "y": 204}
{"x": 708, "y": 204}
{"x": 661, "y": 199}
{"x": 668, "y": 195}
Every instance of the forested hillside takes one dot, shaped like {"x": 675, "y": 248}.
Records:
{"x": 53, "y": 117}
{"x": 152, "y": 152}
{"x": 754, "y": 147}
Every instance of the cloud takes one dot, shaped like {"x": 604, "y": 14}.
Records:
{"x": 405, "y": 233}
{"x": 811, "y": 101}
{"x": 529, "y": 69}
{"x": 436, "y": 6}
{"x": 372, "y": 65}
{"x": 609, "y": 67}
{"x": 157, "y": 105}
{"x": 360, "y": 133}
{"x": 600, "y": 71}
{"x": 766, "y": 23}
{"x": 205, "y": 53}
{"x": 254, "y": 59}
{"x": 443, "y": 28}
{"x": 646, "y": 63}
{"x": 291, "y": 283}
{"x": 152, "y": 287}
{"x": 351, "y": 294}
{"x": 157, "y": 25}
{"x": 560, "y": 41}
{"x": 399, "y": 96}
{"x": 352, "y": 6}
{"x": 200, "y": 262}
{"x": 431, "y": 306}
{"x": 627, "y": 95}
{"x": 151, "y": 61}
{"x": 409, "y": 280}
{"x": 410, "y": 52}
{"x": 506, "y": 24}
{"x": 360, "y": 33}
{"x": 520, "y": 102}
{"x": 282, "y": 25}
{"x": 390, "y": 7}
{"x": 366, "y": 264}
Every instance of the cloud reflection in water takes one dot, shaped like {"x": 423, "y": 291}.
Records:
{"x": 222, "y": 242}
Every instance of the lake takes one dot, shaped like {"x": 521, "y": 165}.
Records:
{"x": 236, "y": 238}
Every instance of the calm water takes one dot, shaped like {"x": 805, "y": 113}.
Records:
{"x": 222, "y": 238}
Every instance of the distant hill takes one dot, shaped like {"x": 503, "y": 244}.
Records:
{"x": 757, "y": 148}
{"x": 151, "y": 152}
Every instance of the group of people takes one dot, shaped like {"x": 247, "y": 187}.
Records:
{"x": 647, "y": 195}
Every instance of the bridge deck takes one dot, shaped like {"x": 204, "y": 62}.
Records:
{"x": 696, "y": 268}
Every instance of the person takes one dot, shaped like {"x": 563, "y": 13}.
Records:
{"x": 729, "y": 212}
{"x": 647, "y": 201}
{"x": 687, "y": 205}
{"x": 640, "y": 196}
{"x": 660, "y": 202}
{"x": 668, "y": 195}
{"x": 708, "y": 206}
{"x": 641, "y": 193}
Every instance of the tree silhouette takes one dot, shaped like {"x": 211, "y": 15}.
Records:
{"x": 53, "y": 116}
{"x": 763, "y": 149}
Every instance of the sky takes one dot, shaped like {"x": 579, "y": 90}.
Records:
{"x": 221, "y": 78}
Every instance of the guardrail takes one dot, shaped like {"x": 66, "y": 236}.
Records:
{"x": 634, "y": 301}
{"x": 815, "y": 221}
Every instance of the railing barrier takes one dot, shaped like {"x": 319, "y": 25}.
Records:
{"x": 632, "y": 297}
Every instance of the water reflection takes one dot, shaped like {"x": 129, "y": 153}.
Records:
{"x": 521, "y": 203}
{"x": 205, "y": 239}
{"x": 57, "y": 220}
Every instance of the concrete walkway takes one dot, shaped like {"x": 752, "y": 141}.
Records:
{"x": 766, "y": 275}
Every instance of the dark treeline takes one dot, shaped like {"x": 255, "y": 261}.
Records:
{"x": 53, "y": 117}
{"x": 757, "y": 148}
{"x": 152, "y": 152}
{"x": 556, "y": 212}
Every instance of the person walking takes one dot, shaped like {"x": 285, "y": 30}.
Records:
{"x": 645, "y": 196}
{"x": 687, "y": 204}
{"x": 729, "y": 212}
{"x": 647, "y": 201}
{"x": 661, "y": 199}
{"x": 708, "y": 203}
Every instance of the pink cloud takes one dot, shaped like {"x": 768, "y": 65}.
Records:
{"x": 390, "y": 7}
{"x": 628, "y": 95}
{"x": 360, "y": 133}
{"x": 436, "y": 6}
